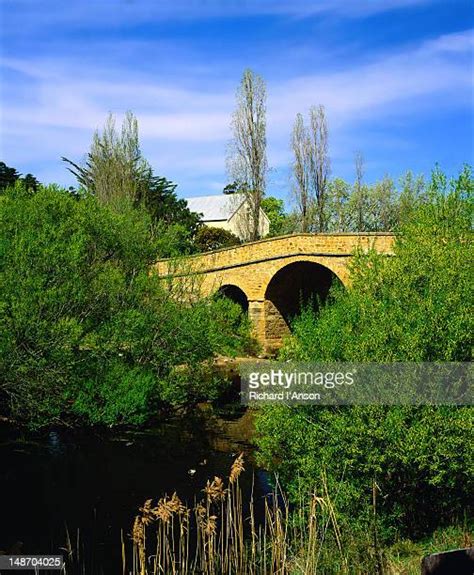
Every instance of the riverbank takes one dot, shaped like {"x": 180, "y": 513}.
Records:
{"x": 81, "y": 488}
{"x": 78, "y": 492}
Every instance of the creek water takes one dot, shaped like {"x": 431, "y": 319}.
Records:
{"x": 87, "y": 485}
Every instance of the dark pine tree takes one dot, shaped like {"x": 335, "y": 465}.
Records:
{"x": 159, "y": 198}
{"x": 8, "y": 176}
{"x": 31, "y": 183}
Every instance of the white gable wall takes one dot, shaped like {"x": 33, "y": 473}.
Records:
{"x": 239, "y": 222}
{"x": 228, "y": 212}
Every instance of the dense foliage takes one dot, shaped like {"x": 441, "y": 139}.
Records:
{"x": 415, "y": 306}
{"x": 275, "y": 210}
{"x": 86, "y": 331}
{"x": 210, "y": 238}
{"x": 161, "y": 202}
{"x": 115, "y": 170}
{"x": 359, "y": 207}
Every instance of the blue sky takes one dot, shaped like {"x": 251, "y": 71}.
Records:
{"x": 395, "y": 76}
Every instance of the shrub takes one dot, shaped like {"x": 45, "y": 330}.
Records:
{"x": 208, "y": 238}
{"x": 415, "y": 306}
{"x": 87, "y": 331}
{"x": 418, "y": 458}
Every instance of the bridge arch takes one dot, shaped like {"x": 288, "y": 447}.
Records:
{"x": 258, "y": 269}
{"x": 293, "y": 286}
{"x": 236, "y": 294}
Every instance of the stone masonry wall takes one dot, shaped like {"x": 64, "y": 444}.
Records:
{"x": 252, "y": 266}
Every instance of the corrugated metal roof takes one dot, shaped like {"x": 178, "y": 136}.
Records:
{"x": 215, "y": 208}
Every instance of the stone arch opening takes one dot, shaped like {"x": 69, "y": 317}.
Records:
{"x": 235, "y": 294}
{"x": 294, "y": 286}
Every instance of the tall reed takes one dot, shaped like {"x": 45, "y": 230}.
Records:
{"x": 217, "y": 536}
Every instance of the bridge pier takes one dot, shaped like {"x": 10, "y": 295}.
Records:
{"x": 256, "y": 314}
{"x": 269, "y": 327}
{"x": 276, "y": 328}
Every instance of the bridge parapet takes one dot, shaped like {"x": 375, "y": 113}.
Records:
{"x": 336, "y": 245}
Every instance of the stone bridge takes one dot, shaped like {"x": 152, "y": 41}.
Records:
{"x": 271, "y": 278}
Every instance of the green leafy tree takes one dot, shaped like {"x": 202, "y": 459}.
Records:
{"x": 115, "y": 170}
{"x": 359, "y": 200}
{"x": 117, "y": 174}
{"x": 415, "y": 306}
{"x": 209, "y": 238}
{"x": 338, "y": 215}
{"x": 8, "y": 177}
{"x": 382, "y": 206}
{"x": 31, "y": 183}
{"x": 419, "y": 460}
{"x": 412, "y": 192}
{"x": 88, "y": 334}
{"x": 160, "y": 200}
{"x": 373, "y": 208}
{"x": 275, "y": 210}
{"x": 170, "y": 216}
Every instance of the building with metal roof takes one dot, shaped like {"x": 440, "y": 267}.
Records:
{"x": 227, "y": 211}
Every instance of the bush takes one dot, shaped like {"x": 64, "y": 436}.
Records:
{"x": 87, "y": 331}
{"x": 208, "y": 238}
{"x": 415, "y": 306}
{"x": 419, "y": 459}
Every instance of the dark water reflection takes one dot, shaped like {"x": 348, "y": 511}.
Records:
{"x": 92, "y": 482}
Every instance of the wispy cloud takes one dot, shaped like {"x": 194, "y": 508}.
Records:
{"x": 172, "y": 113}
{"x": 112, "y": 13}
{"x": 52, "y": 102}
{"x": 437, "y": 67}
